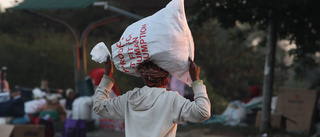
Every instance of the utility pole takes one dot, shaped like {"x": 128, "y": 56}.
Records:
{"x": 268, "y": 73}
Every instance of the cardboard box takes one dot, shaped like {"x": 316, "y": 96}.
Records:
{"x": 276, "y": 120}
{"x": 297, "y": 106}
{"x": 6, "y": 130}
{"x": 22, "y": 130}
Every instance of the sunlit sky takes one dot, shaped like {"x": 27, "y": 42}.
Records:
{"x": 8, "y": 3}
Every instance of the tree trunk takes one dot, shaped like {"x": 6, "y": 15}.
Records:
{"x": 268, "y": 74}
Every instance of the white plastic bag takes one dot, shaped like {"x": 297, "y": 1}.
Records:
{"x": 34, "y": 106}
{"x": 164, "y": 38}
{"x": 236, "y": 113}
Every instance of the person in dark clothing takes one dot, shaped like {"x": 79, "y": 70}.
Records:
{"x": 70, "y": 97}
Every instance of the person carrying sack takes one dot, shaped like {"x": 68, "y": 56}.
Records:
{"x": 151, "y": 111}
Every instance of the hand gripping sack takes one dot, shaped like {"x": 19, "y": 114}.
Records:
{"x": 164, "y": 38}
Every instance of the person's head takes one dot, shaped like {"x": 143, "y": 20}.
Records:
{"x": 70, "y": 94}
{"x": 52, "y": 100}
{"x": 153, "y": 75}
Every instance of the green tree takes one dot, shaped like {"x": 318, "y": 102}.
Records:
{"x": 231, "y": 60}
{"x": 296, "y": 21}
{"x": 44, "y": 58}
{"x": 34, "y": 48}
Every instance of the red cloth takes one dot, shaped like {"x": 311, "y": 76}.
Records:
{"x": 255, "y": 91}
{"x": 97, "y": 74}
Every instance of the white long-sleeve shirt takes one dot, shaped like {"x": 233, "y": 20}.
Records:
{"x": 151, "y": 112}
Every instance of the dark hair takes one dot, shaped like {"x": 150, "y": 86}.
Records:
{"x": 153, "y": 75}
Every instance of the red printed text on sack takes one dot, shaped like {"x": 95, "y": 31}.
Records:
{"x": 139, "y": 51}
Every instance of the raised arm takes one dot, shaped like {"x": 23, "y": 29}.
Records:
{"x": 199, "y": 109}
{"x": 102, "y": 104}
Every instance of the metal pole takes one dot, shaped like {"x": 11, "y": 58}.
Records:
{"x": 124, "y": 13}
{"x": 118, "y": 10}
{"x": 76, "y": 42}
{"x": 83, "y": 39}
{"x": 268, "y": 74}
{"x": 83, "y": 58}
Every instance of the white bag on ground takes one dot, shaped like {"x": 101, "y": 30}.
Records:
{"x": 236, "y": 113}
{"x": 82, "y": 107}
{"x": 164, "y": 38}
{"x": 34, "y": 106}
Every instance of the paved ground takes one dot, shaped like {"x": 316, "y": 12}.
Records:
{"x": 190, "y": 133}
{"x": 105, "y": 133}
{"x": 100, "y": 133}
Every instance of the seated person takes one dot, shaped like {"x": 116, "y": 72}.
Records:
{"x": 4, "y": 84}
{"x": 54, "y": 109}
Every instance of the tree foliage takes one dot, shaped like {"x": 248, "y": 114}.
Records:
{"x": 232, "y": 63}
{"x": 297, "y": 21}
{"x": 34, "y": 49}
{"x": 45, "y": 58}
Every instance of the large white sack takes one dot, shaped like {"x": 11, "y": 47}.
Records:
{"x": 164, "y": 38}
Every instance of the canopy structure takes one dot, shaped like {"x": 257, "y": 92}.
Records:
{"x": 53, "y": 4}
